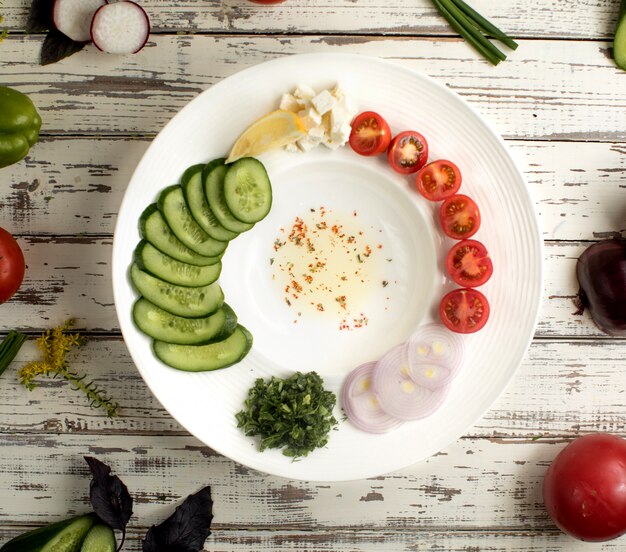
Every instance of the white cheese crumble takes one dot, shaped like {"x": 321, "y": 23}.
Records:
{"x": 326, "y": 115}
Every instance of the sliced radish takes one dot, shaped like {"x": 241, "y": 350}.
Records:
{"x": 361, "y": 405}
{"x": 435, "y": 344}
{"x": 398, "y": 394}
{"x": 120, "y": 28}
{"x": 73, "y": 17}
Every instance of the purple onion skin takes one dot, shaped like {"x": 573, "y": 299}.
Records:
{"x": 601, "y": 273}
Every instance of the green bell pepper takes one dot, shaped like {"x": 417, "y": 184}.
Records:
{"x": 19, "y": 125}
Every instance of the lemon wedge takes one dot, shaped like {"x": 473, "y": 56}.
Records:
{"x": 274, "y": 130}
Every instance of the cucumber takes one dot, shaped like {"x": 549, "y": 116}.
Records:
{"x": 172, "y": 204}
{"x": 63, "y": 536}
{"x": 190, "y": 302}
{"x": 247, "y": 190}
{"x": 99, "y": 539}
{"x": 200, "y": 358}
{"x": 189, "y": 172}
{"x": 193, "y": 189}
{"x": 619, "y": 41}
{"x": 162, "y": 325}
{"x": 154, "y": 229}
{"x": 150, "y": 259}
{"x": 214, "y": 190}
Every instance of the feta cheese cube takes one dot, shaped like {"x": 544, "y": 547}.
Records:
{"x": 310, "y": 117}
{"x": 292, "y": 148}
{"x": 306, "y": 144}
{"x": 304, "y": 92}
{"x": 288, "y": 102}
{"x": 324, "y": 102}
{"x": 340, "y": 133}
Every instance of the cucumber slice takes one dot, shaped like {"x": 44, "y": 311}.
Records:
{"x": 154, "y": 229}
{"x": 189, "y": 172}
{"x": 190, "y": 302}
{"x": 199, "y": 207}
{"x": 53, "y": 534}
{"x": 99, "y": 539}
{"x": 172, "y": 204}
{"x": 200, "y": 358}
{"x": 150, "y": 259}
{"x": 214, "y": 190}
{"x": 162, "y": 325}
{"x": 247, "y": 190}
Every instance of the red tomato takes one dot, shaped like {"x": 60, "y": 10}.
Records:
{"x": 11, "y": 266}
{"x": 584, "y": 489}
{"x": 464, "y": 310}
{"x": 468, "y": 263}
{"x": 438, "y": 180}
{"x": 408, "y": 152}
{"x": 459, "y": 217}
{"x": 370, "y": 134}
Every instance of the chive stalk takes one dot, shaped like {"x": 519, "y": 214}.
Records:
{"x": 9, "y": 348}
{"x": 485, "y": 26}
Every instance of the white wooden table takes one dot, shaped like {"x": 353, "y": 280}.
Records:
{"x": 559, "y": 102}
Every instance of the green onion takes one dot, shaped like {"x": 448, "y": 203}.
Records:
{"x": 474, "y": 28}
{"x": 9, "y": 348}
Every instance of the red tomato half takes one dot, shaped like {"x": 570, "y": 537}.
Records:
{"x": 464, "y": 310}
{"x": 438, "y": 180}
{"x": 459, "y": 217}
{"x": 370, "y": 134}
{"x": 408, "y": 152}
{"x": 584, "y": 489}
{"x": 468, "y": 263}
{"x": 11, "y": 266}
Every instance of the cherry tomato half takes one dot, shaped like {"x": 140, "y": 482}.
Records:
{"x": 468, "y": 263}
{"x": 584, "y": 489}
{"x": 459, "y": 217}
{"x": 408, "y": 152}
{"x": 370, "y": 134}
{"x": 438, "y": 180}
{"x": 464, "y": 310}
{"x": 11, "y": 266}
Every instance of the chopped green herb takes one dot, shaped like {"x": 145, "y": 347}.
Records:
{"x": 295, "y": 413}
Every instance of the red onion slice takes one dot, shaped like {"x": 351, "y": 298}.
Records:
{"x": 430, "y": 375}
{"x": 361, "y": 404}
{"x": 434, "y": 344}
{"x": 398, "y": 394}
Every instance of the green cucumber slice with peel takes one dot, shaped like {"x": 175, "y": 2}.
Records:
{"x": 619, "y": 42}
{"x": 214, "y": 190}
{"x": 172, "y": 204}
{"x": 155, "y": 229}
{"x": 201, "y": 358}
{"x": 189, "y": 172}
{"x": 193, "y": 189}
{"x": 164, "y": 326}
{"x": 190, "y": 302}
{"x": 63, "y": 536}
{"x": 99, "y": 539}
{"x": 150, "y": 259}
{"x": 247, "y": 190}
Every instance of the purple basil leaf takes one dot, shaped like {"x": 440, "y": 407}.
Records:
{"x": 40, "y": 16}
{"x": 186, "y": 529}
{"x": 109, "y": 497}
{"x": 57, "y": 46}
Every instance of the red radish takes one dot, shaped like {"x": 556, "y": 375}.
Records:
{"x": 361, "y": 405}
{"x": 73, "y": 17}
{"x": 120, "y": 28}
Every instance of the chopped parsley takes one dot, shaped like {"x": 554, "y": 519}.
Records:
{"x": 295, "y": 413}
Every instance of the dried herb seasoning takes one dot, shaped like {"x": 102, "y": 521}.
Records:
{"x": 295, "y": 413}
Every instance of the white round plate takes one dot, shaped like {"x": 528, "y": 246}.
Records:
{"x": 390, "y": 214}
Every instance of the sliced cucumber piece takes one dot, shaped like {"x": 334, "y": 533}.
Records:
{"x": 200, "y": 358}
{"x": 172, "y": 204}
{"x": 247, "y": 190}
{"x": 214, "y": 190}
{"x": 99, "y": 539}
{"x": 190, "y": 302}
{"x": 189, "y": 172}
{"x": 199, "y": 207}
{"x": 162, "y": 325}
{"x": 150, "y": 259}
{"x": 35, "y": 541}
{"x": 70, "y": 538}
{"x": 155, "y": 229}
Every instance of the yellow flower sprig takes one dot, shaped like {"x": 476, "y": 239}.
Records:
{"x": 54, "y": 345}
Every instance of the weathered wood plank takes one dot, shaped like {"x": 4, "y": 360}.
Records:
{"x": 547, "y": 90}
{"x": 517, "y": 17}
{"x": 75, "y": 186}
{"x": 561, "y": 388}
{"x": 70, "y": 277}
